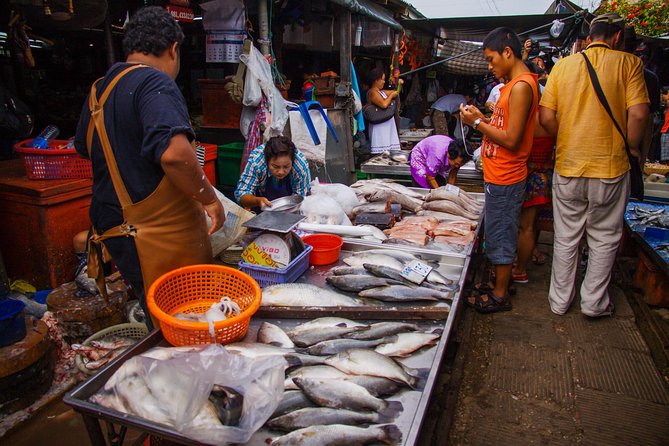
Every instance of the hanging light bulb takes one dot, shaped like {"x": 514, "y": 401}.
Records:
{"x": 556, "y": 28}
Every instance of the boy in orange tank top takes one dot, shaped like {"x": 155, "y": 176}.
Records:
{"x": 506, "y": 147}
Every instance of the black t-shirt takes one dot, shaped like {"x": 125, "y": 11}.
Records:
{"x": 142, "y": 114}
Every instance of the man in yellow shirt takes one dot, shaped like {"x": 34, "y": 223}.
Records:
{"x": 591, "y": 179}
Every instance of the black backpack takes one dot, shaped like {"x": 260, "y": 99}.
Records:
{"x": 16, "y": 121}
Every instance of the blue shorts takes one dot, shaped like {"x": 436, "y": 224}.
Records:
{"x": 502, "y": 212}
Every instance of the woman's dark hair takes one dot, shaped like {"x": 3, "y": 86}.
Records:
{"x": 457, "y": 150}
{"x": 374, "y": 75}
{"x": 279, "y": 146}
{"x": 500, "y": 38}
{"x": 151, "y": 30}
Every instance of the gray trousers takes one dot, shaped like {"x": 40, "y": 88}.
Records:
{"x": 594, "y": 206}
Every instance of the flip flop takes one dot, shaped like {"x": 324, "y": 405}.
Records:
{"x": 539, "y": 259}
{"x": 520, "y": 278}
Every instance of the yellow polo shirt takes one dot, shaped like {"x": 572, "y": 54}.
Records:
{"x": 588, "y": 144}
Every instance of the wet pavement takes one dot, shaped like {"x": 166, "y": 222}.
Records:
{"x": 521, "y": 377}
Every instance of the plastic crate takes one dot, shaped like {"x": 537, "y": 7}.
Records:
{"x": 228, "y": 163}
{"x": 266, "y": 275}
{"x": 53, "y": 163}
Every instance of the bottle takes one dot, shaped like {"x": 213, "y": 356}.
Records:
{"x": 42, "y": 140}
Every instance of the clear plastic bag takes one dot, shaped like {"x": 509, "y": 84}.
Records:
{"x": 321, "y": 209}
{"x": 341, "y": 193}
{"x": 232, "y": 231}
{"x": 173, "y": 386}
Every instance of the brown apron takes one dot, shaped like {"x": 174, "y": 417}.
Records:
{"x": 168, "y": 227}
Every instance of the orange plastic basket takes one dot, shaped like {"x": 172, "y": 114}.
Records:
{"x": 193, "y": 289}
{"x": 53, "y": 163}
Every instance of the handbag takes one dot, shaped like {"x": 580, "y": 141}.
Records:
{"x": 376, "y": 115}
{"x": 636, "y": 176}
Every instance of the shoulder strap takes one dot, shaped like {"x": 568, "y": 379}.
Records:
{"x": 602, "y": 99}
{"x": 97, "y": 123}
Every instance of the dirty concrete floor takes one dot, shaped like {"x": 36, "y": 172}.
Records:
{"x": 532, "y": 377}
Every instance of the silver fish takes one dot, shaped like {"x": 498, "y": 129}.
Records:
{"x": 375, "y": 385}
{"x": 328, "y": 321}
{"x": 258, "y": 350}
{"x": 338, "y": 394}
{"x": 335, "y": 346}
{"x": 357, "y": 283}
{"x": 344, "y": 270}
{"x": 407, "y": 343}
{"x": 435, "y": 277}
{"x": 449, "y": 207}
{"x": 399, "y": 255}
{"x": 340, "y": 434}
{"x": 311, "y": 337}
{"x": 358, "y": 361}
{"x": 408, "y": 203}
{"x": 384, "y": 271}
{"x": 292, "y": 400}
{"x": 305, "y": 295}
{"x": 359, "y": 260}
{"x": 441, "y": 216}
{"x": 314, "y": 372}
{"x": 402, "y": 293}
{"x": 374, "y": 208}
{"x": 313, "y": 416}
{"x": 274, "y": 335}
{"x": 383, "y": 329}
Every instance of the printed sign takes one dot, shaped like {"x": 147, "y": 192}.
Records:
{"x": 181, "y": 14}
{"x": 416, "y": 271}
{"x": 184, "y": 3}
{"x": 253, "y": 254}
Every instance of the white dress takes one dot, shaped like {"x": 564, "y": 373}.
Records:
{"x": 384, "y": 136}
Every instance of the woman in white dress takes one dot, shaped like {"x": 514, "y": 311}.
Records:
{"x": 382, "y": 136}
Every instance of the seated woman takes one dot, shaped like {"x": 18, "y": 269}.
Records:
{"x": 274, "y": 170}
{"x": 436, "y": 159}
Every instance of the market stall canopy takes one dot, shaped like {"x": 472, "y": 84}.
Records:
{"x": 369, "y": 9}
{"x": 476, "y": 28}
{"x": 471, "y": 61}
{"x": 59, "y": 16}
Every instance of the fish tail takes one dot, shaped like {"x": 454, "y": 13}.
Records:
{"x": 418, "y": 378}
{"x": 391, "y": 434}
{"x": 392, "y": 409}
{"x": 438, "y": 331}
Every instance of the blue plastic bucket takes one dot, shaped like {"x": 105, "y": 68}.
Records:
{"x": 12, "y": 325}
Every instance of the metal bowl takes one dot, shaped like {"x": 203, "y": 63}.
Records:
{"x": 290, "y": 203}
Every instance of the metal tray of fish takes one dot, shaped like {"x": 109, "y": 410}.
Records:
{"x": 409, "y": 420}
{"x": 431, "y": 248}
{"x": 451, "y": 268}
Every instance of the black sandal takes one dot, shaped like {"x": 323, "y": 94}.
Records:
{"x": 487, "y": 302}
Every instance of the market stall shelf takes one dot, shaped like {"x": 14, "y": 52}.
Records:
{"x": 382, "y": 165}
{"x": 414, "y": 402}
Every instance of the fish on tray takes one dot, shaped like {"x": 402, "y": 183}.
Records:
{"x": 334, "y": 346}
{"x": 450, "y": 208}
{"x": 313, "y": 416}
{"x": 305, "y": 295}
{"x": 273, "y": 335}
{"x": 402, "y": 293}
{"x": 382, "y": 330}
{"x": 338, "y": 394}
{"x": 340, "y": 434}
{"x": 357, "y": 283}
{"x": 405, "y": 344}
{"x": 311, "y": 337}
{"x": 359, "y": 259}
{"x": 100, "y": 352}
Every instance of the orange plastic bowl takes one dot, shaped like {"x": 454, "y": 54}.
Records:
{"x": 193, "y": 289}
{"x": 326, "y": 248}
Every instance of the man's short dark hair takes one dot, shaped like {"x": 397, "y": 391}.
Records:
{"x": 606, "y": 25}
{"x": 500, "y": 38}
{"x": 151, "y": 30}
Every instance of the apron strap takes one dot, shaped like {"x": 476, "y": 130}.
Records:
{"x": 97, "y": 119}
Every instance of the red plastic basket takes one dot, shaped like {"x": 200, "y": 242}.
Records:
{"x": 192, "y": 289}
{"x": 53, "y": 163}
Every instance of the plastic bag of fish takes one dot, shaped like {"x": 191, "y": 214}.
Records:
{"x": 207, "y": 394}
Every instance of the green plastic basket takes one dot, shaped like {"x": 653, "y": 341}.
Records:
{"x": 228, "y": 163}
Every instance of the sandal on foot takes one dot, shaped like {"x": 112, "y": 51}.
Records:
{"x": 482, "y": 288}
{"x": 520, "y": 278}
{"x": 489, "y": 303}
{"x": 539, "y": 259}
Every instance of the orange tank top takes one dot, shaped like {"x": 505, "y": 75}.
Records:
{"x": 501, "y": 165}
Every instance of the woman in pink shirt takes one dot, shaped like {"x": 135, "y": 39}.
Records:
{"x": 437, "y": 156}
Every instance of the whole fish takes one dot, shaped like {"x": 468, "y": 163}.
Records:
{"x": 376, "y": 385}
{"x": 407, "y": 202}
{"x": 389, "y": 273}
{"x": 444, "y": 194}
{"x": 402, "y": 293}
{"x": 311, "y": 337}
{"x": 403, "y": 257}
{"x": 344, "y": 270}
{"x": 314, "y": 372}
{"x": 340, "y": 434}
{"x": 313, "y": 416}
{"x": 382, "y": 330}
{"x": 449, "y": 207}
{"x": 441, "y": 216}
{"x": 258, "y": 350}
{"x": 273, "y": 335}
{"x": 338, "y": 394}
{"x": 358, "y": 260}
{"x": 305, "y": 295}
{"x": 358, "y": 361}
{"x": 378, "y": 207}
{"x": 292, "y": 400}
{"x": 328, "y": 321}
{"x": 407, "y": 343}
{"x": 435, "y": 277}
{"x": 357, "y": 283}
{"x": 335, "y": 346}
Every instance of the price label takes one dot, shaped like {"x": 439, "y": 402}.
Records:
{"x": 416, "y": 271}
